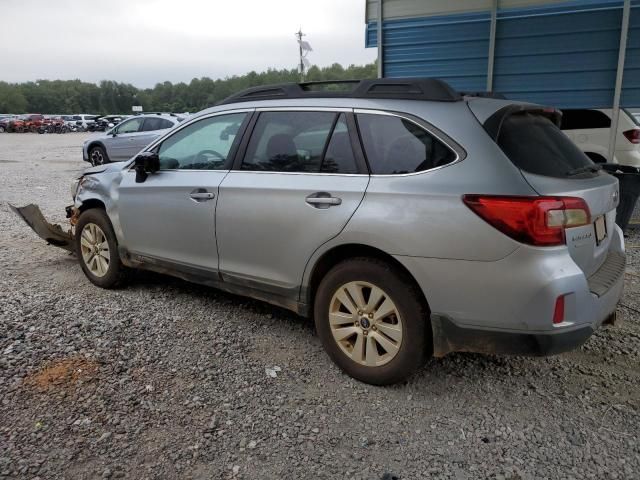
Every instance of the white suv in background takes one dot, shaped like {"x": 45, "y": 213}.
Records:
{"x": 590, "y": 128}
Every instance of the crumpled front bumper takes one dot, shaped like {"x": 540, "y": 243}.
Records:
{"x": 53, "y": 234}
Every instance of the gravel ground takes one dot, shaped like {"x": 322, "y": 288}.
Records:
{"x": 165, "y": 379}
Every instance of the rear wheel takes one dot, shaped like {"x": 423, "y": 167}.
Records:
{"x": 372, "y": 321}
{"x": 98, "y": 156}
{"x": 2, "y": 129}
{"x": 97, "y": 249}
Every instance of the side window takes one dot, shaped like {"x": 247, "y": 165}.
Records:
{"x": 130, "y": 126}
{"x": 395, "y": 145}
{"x": 584, "y": 119}
{"x": 203, "y": 145}
{"x": 151, "y": 124}
{"x": 310, "y": 142}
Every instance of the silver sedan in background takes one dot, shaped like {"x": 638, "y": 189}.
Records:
{"x": 123, "y": 141}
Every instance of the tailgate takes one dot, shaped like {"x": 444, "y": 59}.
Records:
{"x": 601, "y": 194}
{"x": 554, "y": 166}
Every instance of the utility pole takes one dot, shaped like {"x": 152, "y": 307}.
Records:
{"x": 299, "y": 34}
{"x": 304, "y": 48}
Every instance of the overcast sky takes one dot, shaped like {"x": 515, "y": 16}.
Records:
{"x": 148, "y": 41}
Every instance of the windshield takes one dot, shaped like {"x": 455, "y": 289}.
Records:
{"x": 536, "y": 145}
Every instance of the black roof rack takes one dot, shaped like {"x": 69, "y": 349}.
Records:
{"x": 431, "y": 89}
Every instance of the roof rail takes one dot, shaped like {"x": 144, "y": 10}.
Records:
{"x": 498, "y": 96}
{"x": 158, "y": 113}
{"x": 431, "y": 89}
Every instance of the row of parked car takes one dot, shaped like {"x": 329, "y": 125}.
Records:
{"x": 36, "y": 122}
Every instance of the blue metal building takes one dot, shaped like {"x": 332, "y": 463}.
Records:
{"x": 561, "y": 53}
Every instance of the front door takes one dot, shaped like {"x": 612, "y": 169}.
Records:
{"x": 297, "y": 186}
{"x": 171, "y": 216}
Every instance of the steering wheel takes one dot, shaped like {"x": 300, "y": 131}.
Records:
{"x": 201, "y": 156}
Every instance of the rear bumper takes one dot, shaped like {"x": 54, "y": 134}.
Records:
{"x": 507, "y": 306}
{"x": 449, "y": 337}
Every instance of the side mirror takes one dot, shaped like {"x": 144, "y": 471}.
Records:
{"x": 144, "y": 164}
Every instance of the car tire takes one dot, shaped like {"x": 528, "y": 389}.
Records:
{"x": 2, "y": 129}
{"x": 370, "y": 339}
{"x": 98, "y": 156}
{"x": 96, "y": 247}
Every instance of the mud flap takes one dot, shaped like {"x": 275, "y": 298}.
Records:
{"x": 50, "y": 233}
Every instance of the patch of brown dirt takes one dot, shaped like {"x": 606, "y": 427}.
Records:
{"x": 63, "y": 374}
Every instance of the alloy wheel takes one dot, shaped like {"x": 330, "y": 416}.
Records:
{"x": 365, "y": 323}
{"x": 96, "y": 157}
{"x": 95, "y": 249}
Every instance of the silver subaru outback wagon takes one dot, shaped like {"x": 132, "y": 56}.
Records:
{"x": 405, "y": 218}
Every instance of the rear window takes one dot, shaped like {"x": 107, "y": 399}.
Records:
{"x": 583, "y": 119}
{"x": 536, "y": 145}
{"x": 152, "y": 123}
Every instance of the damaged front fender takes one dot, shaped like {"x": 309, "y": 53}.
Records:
{"x": 53, "y": 234}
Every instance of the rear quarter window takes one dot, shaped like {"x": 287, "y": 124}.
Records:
{"x": 395, "y": 145}
{"x": 536, "y": 145}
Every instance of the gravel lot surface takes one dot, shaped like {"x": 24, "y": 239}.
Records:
{"x": 165, "y": 379}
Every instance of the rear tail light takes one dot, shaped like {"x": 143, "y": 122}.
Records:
{"x": 558, "y": 311}
{"x": 539, "y": 221}
{"x": 633, "y": 135}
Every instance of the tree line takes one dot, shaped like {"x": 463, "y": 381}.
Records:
{"x": 110, "y": 97}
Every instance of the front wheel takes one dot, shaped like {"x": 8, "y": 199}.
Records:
{"x": 97, "y": 250}
{"x": 98, "y": 156}
{"x": 372, "y": 321}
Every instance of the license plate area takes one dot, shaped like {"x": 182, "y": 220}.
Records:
{"x": 600, "y": 227}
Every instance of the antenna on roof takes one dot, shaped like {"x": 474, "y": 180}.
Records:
{"x": 304, "y": 48}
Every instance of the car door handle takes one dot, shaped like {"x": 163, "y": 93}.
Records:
{"x": 322, "y": 200}
{"x": 200, "y": 196}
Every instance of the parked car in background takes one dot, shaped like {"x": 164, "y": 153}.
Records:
{"x": 590, "y": 131}
{"x": 405, "y": 218}
{"x": 4, "y": 123}
{"x": 104, "y": 123}
{"x": 14, "y": 124}
{"x": 32, "y": 121}
{"x": 84, "y": 120}
{"x": 127, "y": 138}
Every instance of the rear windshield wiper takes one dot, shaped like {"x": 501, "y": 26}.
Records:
{"x": 585, "y": 169}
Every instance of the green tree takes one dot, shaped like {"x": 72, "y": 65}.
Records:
{"x": 109, "y": 97}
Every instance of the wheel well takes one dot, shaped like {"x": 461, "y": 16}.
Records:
{"x": 596, "y": 157}
{"x": 92, "y": 203}
{"x": 343, "y": 252}
{"x": 94, "y": 144}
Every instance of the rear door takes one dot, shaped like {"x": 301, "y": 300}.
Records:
{"x": 295, "y": 186}
{"x": 121, "y": 142}
{"x": 553, "y": 165}
{"x": 151, "y": 129}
